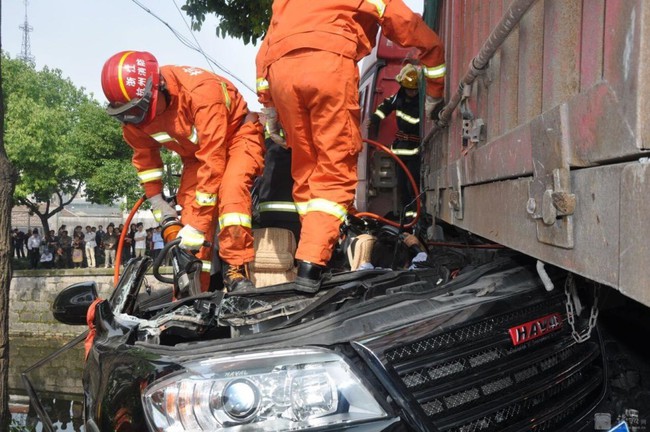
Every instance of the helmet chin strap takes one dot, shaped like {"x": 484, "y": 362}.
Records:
{"x": 162, "y": 86}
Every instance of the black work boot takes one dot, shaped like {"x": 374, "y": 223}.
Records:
{"x": 236, "y": 277}
{"x": 310, "y": 277}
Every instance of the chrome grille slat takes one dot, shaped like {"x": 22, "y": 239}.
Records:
{"x": 472, "y": 378}
{"x": 467, "y": 333}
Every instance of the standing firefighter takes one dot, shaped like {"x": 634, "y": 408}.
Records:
{"x": 406, "y": 105}
{"x": 308, "y": 80}
{"x": 202, "y": 117}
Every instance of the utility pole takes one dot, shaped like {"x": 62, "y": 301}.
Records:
{"x": 26, "y": 49}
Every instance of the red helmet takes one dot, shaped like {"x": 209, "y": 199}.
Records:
{"x": 130, "y": 82}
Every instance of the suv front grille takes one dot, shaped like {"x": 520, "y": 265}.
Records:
{"x": 472, "y": 378}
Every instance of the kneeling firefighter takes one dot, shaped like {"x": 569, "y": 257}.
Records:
{"x": 203, "y": 118}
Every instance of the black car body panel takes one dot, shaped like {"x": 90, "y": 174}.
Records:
{"x": 438, "y": 357}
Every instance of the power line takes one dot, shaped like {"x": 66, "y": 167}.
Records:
{"x": 193, "y": 35}
{"x": 190, "y": 45}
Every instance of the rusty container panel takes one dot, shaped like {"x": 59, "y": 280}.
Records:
{"x": 592, "y": 39}
{"x": 531, "y": 43}
{"x": 635, "y": 231}
{"x": 561, "y": 51}
{"x": 563, "y": 98}
{"x": 626, "y": 32}
{"x": 508, "y": 94}
{"x": 561, "y": 66}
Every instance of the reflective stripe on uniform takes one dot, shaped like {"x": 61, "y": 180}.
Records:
{"x": 267, "y": 133}
{"x": 206, "y": 199}
{"x": 410, "y": 214}
{"x": 301, "y": 207}
{"x": 226, "y": 95}
{"x": 262, "y": 84}
{"x": 194, "y": 136}
{"x": 326, "y": 206}
{"x": 280, "y": 206}
{"x": 157, "y": 215}
{"x": 380, "y": 5}
{"x": 435, "y": 72}
{"x": 231, "y": 219}
{"x": 406, "y": 152}
{"x": 407, "y": 118}
{"x": 162, "y": 137}
{"x": 380, "y": 114}
{"x": 150, "y": 175}
{"x": 206, "y": 266}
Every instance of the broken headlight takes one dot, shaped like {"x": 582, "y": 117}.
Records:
{"x": 266, "y": 391}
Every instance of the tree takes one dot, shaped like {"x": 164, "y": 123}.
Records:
{"x": 59, "y": 139}
{"x": 7, "y": 184}
{"x": 242, "y": 19}
{"x": 103, "y": 158}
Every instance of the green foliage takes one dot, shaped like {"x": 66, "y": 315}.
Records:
{"x": 103, "y": 158}
{"x": 243, "y": 19}
{"x": 173, "y": 169}
{"x": 58, "y": 138}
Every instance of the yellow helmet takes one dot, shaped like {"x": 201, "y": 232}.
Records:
{"x": 408, "y": 77}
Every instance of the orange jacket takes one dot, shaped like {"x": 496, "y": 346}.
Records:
{"x": 204, "y": 112}
{"x": 349, "y": 28}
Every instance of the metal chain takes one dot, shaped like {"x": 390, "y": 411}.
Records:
{"x": 569, "y": 290}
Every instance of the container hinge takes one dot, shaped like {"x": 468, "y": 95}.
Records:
{"x": 473, "y": 132}
{"x": 550, "y": 199}
{"x": 473, "y": 129}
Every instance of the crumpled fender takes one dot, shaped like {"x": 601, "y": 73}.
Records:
{"x": 92, "y": 331}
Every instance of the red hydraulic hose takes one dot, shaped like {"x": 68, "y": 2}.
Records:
{"x": 118, "y": 254}
{"x": 416, "y": 190}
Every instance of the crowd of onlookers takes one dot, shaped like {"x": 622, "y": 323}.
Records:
{"x": 90, "y": 247}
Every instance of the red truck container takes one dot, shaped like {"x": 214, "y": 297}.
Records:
{"x": 545, "y": 151}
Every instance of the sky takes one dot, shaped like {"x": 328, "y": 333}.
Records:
{"x": 78, "y": 36}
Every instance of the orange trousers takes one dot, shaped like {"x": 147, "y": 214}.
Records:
{"x": 185, "y": 196}
{"x": 245, "y": 161}
{"x": 317, "y": 99}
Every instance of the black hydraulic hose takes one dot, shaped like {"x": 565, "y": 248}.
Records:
{"x": 155, "y": 268}
{"x": 508, "y": 22}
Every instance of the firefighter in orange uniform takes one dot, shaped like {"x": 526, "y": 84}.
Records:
{"x": 406, "y": 145}
{"x": 319, "y": 105}
{"x": 203, "y": 118}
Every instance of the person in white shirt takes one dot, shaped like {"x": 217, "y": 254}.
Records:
{"x": 140, "y": 239}
{"x": 89, "y": 239}
{"x": 33, "y": 245}
{"x": 158, "y": 242}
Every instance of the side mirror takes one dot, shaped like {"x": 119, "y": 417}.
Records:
{"x": 71, "y": 305}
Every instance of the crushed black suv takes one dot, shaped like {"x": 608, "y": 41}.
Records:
{"x": 481, "y": 346}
